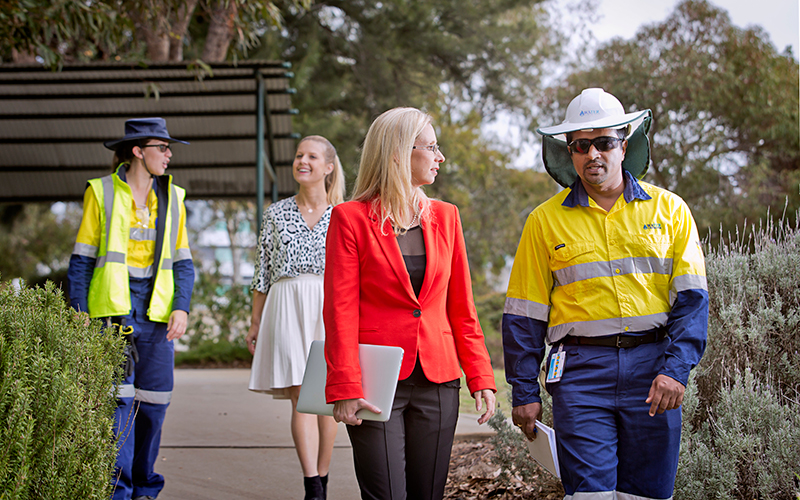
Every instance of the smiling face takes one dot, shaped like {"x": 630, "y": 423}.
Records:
{"x": 425, "y": 163}
{"x": 599, "y": 170}
{"x": 156, "y": 161}
{"x": 309, "y": 167}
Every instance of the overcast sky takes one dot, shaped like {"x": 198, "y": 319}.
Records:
{"x": 780, "y": 18}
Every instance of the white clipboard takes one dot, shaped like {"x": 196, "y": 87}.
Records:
{"x": 380, "y": 369}
{"x": 543, "y": 449}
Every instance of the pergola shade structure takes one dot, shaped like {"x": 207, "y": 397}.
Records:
{"x": 53, "y": 124}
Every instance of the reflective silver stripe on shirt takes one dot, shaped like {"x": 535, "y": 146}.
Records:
{"x": 142, "y": 234}
{"x": 155, "y": 397}
{"x": 124, "y": 391}
{"x": 183, "y": 254}
{"x": 526, "y": 308}
{"x": 140, "y": 272}
{"x": 689, "y": 282}
{"x": 617, "y": 267}
{"x": 611, "y": 326}
{"x": 85, "y": 250}
{"x": 166, "y": 264}
{"x": 117, "y": 257}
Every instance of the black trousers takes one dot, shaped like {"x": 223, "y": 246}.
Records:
{"x": 407, "y": 457}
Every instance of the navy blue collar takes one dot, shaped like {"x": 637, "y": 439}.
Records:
{"x": 578, "y": 195}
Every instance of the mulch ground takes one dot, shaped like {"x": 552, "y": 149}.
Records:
{"x": 475, "y": 474}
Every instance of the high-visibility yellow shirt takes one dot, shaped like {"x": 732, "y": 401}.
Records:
{"x": 588, "y": 272}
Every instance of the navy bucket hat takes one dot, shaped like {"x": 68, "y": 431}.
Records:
{"x": 143, "y": 128}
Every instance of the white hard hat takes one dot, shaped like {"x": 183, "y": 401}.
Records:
{"x": 593, "y": 109}
{"x": 596, "y": 109}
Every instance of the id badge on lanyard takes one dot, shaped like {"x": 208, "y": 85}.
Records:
{"x": 556, "y": 365}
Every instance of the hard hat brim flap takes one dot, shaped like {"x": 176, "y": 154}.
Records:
{"x": 558, "y": 162}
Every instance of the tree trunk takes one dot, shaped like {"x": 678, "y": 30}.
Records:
{"x": 220, "y": 30}
{"x": 153, "y": 24}
{"x": 22, "y": 57}
{"x": 184, "y": 16}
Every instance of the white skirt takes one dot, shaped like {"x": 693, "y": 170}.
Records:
{"x": 291, "y": 320}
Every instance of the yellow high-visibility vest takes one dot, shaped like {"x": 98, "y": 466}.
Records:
{"x": 109, "y": 290}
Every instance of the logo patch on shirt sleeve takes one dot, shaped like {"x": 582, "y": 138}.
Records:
{"x": 562, "y": 245}
{"x": 652, "y": 226}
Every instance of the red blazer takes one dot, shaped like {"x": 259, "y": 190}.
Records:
{"x": 369, "y": 300}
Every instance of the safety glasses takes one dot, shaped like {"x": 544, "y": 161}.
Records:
{"x": 602, "y": 144}
{"x": 161, "y": 147}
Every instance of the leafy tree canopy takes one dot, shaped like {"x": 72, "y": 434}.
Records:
{"x": 725, "y": 105}
{"x": 355, "y": 59}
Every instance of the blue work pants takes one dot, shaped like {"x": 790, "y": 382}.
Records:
{"x": 142, "y": 402}
{"x": 607, "y": 442}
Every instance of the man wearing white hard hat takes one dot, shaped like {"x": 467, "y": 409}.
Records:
{"x": 611, "y": 274}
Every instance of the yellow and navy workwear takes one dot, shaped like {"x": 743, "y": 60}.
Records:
{"x": 115, "y": 243}
{"x": 134, "y": 267}
{"x": 583, "y": 272}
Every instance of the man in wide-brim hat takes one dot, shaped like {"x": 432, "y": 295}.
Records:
{"x": 611, "y": 274}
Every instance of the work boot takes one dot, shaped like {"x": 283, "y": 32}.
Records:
{"x": 313, "y": 487}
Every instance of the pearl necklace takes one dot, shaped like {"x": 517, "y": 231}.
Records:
{"x": 414, "y": 220}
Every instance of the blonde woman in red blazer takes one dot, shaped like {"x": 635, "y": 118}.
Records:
{"x": 398, "y": 275}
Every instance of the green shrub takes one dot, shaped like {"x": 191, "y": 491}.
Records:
{"x": 219, "y": 311}
{"x": 754, "y": 310}
{"x": 218, "y": 351}
{"x": 741, "y": 433}
{"x": 56, "y": 406}
{"x": 748, "y": 447}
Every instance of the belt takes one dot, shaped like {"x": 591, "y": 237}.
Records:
{"x": 619, "y": 341}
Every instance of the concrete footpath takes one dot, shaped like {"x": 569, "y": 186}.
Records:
{"x": 222, "y": 441}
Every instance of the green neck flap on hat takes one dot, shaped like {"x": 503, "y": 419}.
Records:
{"x": 558, "y": 162}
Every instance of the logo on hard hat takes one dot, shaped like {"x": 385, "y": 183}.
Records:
{"x": 590, "y": 112}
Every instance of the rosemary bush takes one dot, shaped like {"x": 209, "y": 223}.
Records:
{"x": 56, "y": 405}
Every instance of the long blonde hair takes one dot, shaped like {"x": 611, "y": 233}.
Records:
{"x": 334, "y": 181}
{"x": 384, "y": 174}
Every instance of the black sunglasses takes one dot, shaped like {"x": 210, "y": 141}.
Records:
{"x": 161, "y": 147}
{"x": 603, "y": 144}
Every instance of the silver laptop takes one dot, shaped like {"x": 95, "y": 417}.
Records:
{"x": 380, "y": 368}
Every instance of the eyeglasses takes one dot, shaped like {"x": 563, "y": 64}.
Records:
{"x": 433, "y": 147}
{"x": 603, "y": 144}
{"x": 161, "y": 147}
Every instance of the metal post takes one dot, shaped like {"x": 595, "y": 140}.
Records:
{"x": 271, "y": 151}
{"x": 259, "y": 151}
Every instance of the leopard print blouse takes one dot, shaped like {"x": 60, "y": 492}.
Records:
{"x": 287, "y": 247}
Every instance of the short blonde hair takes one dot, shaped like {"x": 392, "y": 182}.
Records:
{"x": 334, "y": 181}
{"x": 384, "y": 174}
